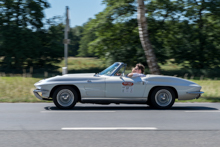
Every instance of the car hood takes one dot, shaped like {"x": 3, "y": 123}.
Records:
{"x": 67, "y": 77}
{"x": 71, "y": 77}
{"x": 79, "y": 75}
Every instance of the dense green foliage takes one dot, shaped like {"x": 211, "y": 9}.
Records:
{"x": 23, "y": 41}
{"x": 75, "y": 36}
{"x": 115, "y": 37}
{"x": 184, "y": 30}
{"x": 87, "y": 36}
{"x": 192, "y": 38}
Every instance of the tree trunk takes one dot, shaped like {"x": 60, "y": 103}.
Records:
{"x": 144, "y": 37}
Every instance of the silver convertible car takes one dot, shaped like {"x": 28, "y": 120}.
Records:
{"x": 113, "y": 86}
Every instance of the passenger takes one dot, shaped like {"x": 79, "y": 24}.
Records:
{"x": 138, "y": 71}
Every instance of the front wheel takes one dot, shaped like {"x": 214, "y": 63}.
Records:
{"x": 65, "y": 97}
{"x": 162, "y": 97}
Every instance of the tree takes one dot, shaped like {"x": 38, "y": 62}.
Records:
{"x": 115, "y": 38}
{"x": 186, "y": 31}
{"x": 193, "y": 37}
{"x": 51, "y": 46}
{"x": 88, "y": 35}
{"x": 75, "y": 36}
{"x": 143, "y": 33}
{"x": 23, "y": 41}
{"x": 113, "y": 34}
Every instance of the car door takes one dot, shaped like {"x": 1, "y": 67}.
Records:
{"x": 95, "y": 87}
{"x": 124, "y": 87}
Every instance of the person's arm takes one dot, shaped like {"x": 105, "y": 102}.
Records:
{"x": 130, "y": 75}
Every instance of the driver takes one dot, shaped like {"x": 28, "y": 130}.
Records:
{"x": 137, "y": 71}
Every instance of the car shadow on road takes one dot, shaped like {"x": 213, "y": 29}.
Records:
{"x": 133, "y": 108}
{"x": 197, "y": 108}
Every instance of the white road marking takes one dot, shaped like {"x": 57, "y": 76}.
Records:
{"x": 110, "y": 128}
{"x": 76, "y": 111}
{"x": 211, "y": 111}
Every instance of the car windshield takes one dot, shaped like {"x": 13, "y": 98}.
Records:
{"x": 108, "y": 71}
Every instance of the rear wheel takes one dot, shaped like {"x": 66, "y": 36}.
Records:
{"x": 162, "y": 97}
{"x": 65, "y": 97}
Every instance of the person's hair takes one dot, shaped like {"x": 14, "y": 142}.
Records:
{"x": 141, "y": 67}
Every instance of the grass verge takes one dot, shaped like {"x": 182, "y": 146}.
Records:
{"x": 17, "y": 89}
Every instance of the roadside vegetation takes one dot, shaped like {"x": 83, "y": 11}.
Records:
{"x": 184, "y": 36}
{"x": 18, "y": 88}
{"x": 83, "y": 65}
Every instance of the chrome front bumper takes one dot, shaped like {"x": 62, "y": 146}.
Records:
{"x": 37, "y": 94}
{"x": 196, "y": 93}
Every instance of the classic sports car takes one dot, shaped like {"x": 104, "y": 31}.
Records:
{"x": 113, "y": 86}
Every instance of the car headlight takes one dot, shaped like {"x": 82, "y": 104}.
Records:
{"x": 38, "y": 87}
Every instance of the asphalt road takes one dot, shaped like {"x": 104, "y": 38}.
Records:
{"x": 42, "y": 124}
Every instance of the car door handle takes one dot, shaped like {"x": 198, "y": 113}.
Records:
{"x": 142, "y": 82}
{"x": 89, "y": 81}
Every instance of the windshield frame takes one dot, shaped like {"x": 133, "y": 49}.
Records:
{"x": 120, "y": 64}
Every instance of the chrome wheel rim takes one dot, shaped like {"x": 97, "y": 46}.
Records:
{"x": 163, "y": 97}
{"x": 65, "y": 97}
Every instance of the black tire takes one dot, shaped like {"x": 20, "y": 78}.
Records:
{"x": 162, "y": 98}
{"x": 149, "y": 103}
{"x": 65, "y": 97}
